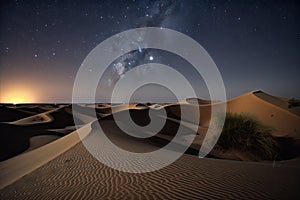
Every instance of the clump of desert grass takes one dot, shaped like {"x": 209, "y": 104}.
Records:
{"x": 244, "y": 133}
{"x": 293, "y": 103}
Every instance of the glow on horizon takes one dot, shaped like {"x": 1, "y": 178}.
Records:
{"x": 18, "y": 97}
{"x": 17, "y": 100}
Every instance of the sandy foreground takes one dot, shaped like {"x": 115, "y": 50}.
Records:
{"x": 64, "y": 169}
{"x": 75, "y": 174}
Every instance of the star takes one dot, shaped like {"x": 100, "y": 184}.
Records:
{"x": 140, "y": 49}
{"x": 35, "y": 55}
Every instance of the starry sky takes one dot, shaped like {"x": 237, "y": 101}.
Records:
{"x": 255, "y": 44}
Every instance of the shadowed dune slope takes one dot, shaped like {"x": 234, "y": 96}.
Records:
{"x": 15, "y": 136}
{"x": 11, "y": 114}
{"x": 16, "y": 139}
{"x": 278, "y": 101}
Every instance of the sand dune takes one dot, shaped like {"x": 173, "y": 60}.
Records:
{"x": 267, "y": 109}
{"x": 34, "y": 109}
{"x": 267, "y": 112}
{"x": 8, "y": 114}
{"x": 197, "y": 101}
{"x": 76, "y": 174}
{"x": 278, "y": 101}
{"x": 174, "y": 111}
{"x": 16, "y": 135}
{"x": 36, "y": 119}
{"x": 65, "y": 169}
{"x": 108, "y": 110}
{"x": 16, "y": 167}
{"x": 285, "y": 123}
{"x": 141, "y": 117}
{"x": 58, "y": 118}
{"x": 15, "y": 139}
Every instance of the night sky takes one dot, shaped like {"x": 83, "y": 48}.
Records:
{"x": 255, "y": 44}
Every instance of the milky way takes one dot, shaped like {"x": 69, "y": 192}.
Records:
{"x": 255, "y": 44}
{"x": 157, "y": 13}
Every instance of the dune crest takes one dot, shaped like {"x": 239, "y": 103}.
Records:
{"x": 284, "y": 123}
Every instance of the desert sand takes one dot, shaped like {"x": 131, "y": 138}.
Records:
{"x": 59, "y": 166}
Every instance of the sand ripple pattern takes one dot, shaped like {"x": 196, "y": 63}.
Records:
{"x": 75, "y": 174}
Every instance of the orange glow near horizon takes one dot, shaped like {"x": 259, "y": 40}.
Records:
{"x": 17, "y": 100}
{"x": 17, "y": 97}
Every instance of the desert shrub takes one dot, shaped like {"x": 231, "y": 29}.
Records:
{"x": 244, "y": 133}
{"x": 140, "y": 105}
{"x": 293, "y": 102}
